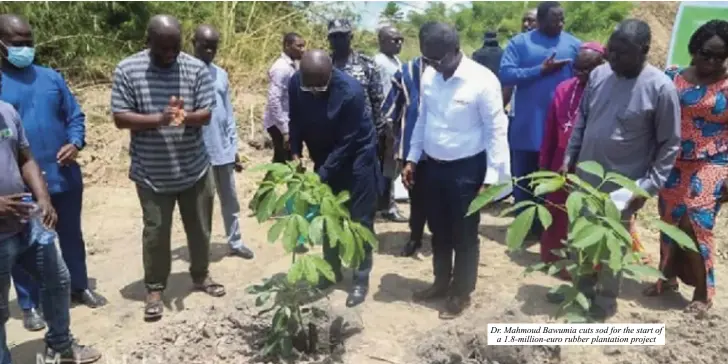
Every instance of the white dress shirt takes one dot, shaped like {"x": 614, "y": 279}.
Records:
{"x": 462, "y": 116}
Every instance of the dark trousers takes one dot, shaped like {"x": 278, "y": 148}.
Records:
{"x": 195, "y": 207}
{"x": 451, "y": 187}
{"x": 524, "y": 163}
{"x": 418, "y": 199}
{"x": 280, "y": 153}
{"x": 363, "y": 190}
{"x": 70, "y": 239}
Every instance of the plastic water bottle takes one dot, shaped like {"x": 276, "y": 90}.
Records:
{"x": 38, "y": 232}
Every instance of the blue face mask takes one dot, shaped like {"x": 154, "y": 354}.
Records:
{"x": 20, "y": 57}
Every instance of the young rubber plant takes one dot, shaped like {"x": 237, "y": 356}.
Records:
{"x": 317, "y": 215}
{"x": 596, "y": 237}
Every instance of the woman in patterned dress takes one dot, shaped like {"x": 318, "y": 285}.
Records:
{"x": 693, "y": 192}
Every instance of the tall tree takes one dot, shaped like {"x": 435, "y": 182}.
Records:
{"x": 392, "y": 13}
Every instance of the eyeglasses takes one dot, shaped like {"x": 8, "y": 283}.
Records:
{"x": 712, "y": 56}
{"x": 432, "y": 62}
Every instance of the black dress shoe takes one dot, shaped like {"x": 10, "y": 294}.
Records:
{"x": 411, "y": 248}
{"x": 454, "y": 307}
{"x": 87, "y": 297}
{"x": 32, "y": 321}
{"x": 394, "y": 216}
{"x": 357, "y": 295}
{"x": 433, "y": 292}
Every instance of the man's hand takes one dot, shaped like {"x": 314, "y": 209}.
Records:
{"x": 67, "y": 154}
{"x": 174, "y": 113}
{"x": 13, "y": 206}
{"x": 408, "y": 175}
{"x": 551, "y": 64}
{"x": 636, "y": 203}
{"x": 565, "y": 167}
{"x": 238, "y": 166}
{"x": 49, "y": 213}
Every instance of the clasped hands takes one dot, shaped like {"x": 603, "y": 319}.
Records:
{"x": 174, "y": 113}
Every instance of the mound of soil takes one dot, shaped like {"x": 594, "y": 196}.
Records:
{"x": 466, "y": 342}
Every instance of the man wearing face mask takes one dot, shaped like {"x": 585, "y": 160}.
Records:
{"x": 461, "y": 132}
{"x": 164, "y": 97}
{"x": 55, "y": 128}
{"x": 390, "y": 44}
{"x": 327, "y": 113}
{"x": 628, "y": 122}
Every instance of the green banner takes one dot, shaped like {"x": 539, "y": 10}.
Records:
{"x": 690, "y": 16}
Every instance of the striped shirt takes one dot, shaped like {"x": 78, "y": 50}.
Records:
{"x": 168, "y": 159}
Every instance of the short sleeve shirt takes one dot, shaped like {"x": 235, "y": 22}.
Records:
{"x": 167, "y": 159}
{"x": 12, "y": 139}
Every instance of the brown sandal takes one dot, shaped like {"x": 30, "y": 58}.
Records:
{"x": 659, "y": 288}
{"x": 211, "y": 287}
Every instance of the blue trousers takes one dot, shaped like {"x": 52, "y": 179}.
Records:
{"x": 451, "y": 186}
{"x": 68, "y": 208}
{"x": 523, "y": 163}
{"x": 45, "y": 265}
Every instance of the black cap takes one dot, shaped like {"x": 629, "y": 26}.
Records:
{"x": 491, "y": 35}
{"x": 339, "y": 26}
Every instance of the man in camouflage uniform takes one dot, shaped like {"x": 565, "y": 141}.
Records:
{"x": 364, "y": 69}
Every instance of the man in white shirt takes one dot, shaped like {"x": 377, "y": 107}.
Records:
{"x": 462, "y": 132}
{"x": 390, "y": 44}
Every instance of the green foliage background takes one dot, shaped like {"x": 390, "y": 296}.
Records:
{"x": 85, "y": 40}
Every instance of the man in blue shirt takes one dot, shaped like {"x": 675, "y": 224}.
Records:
{"x": 535, "y": 62}
{"x": 56, "y": 131}
{"x": 221, "y": 141}
{"x": 327, "y": 113}
{"x": 401, "y": 108}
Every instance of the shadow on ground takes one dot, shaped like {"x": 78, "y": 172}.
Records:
{"x": 17, "y": 314}
{"x": 179, "y": 287}
{"x": 633, "y": 291}
{"x": 533, "y": 300}
{"x": 218, "y": 251}
{"x": 28, "y": 352}
{"x": 396, "y": 288}
{"x": 393, "y": 242}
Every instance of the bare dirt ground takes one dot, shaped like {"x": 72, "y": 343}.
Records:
{"x": 198, "y": 329}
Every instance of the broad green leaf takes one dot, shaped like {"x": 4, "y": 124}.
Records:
{"x": 323, "y": 267}
{"x": 265, "y": 208}
{"x": 316, "y": 230}
{"x": 535, "y": 268}
{"x": 592, "y": 167}
{"x": 269, "y": 348}
{"x": 544, "y": 216}
{"x": 578, "y": 225}
{"x": 597, "y": 257}
{"x": 552, "y": 185}
{"x": 290, "y": 236}
{"x": 302, "y": 226}
{"x": 519, "y": 228}
{"x": 365, "y": 234}
{"x": 576, "y": 318}
{"x": 347, "y": 236}
{"x": 543, "y": 174}
{"x": 486, "y": 197}
{"x": 584, "y": 185}
{"x": 295, "y": 273}
{"x": 271, "y": 167}
{"x": 564, "y": 289}
{"x": 292, "y": 192}
{"x": 516, "y": 207}
{"x": 333, "y": 230}
{"x": 611, "y": 211}
{"x": 312, "y": 177}
{"x": 262, "y": 299}
{"x": 300, "y": 205}
{"x": 328, "y": 207}
{"x": 310, "y": 271}
{"x": 615, "y": 253}
{"x": 582, "y": 301}
{"x": 308, "y": 197}
{"x": 347, "y": 254}
{"x": 627, "y": 183}
{"x": 588, "y": 236}
{"x": 644, "y": 271}
{"x": 675, "y": 233}
{"x": 342, "y": 197}
{"x": 619, "y": 229}
{"x": 275, "y": 231}
{"x": 574, "y": 204}
{"x": 553, "y": 269}
{"x": 286, "y": 346}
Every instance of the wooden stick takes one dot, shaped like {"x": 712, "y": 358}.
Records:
{"x": 252, "y": 122}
